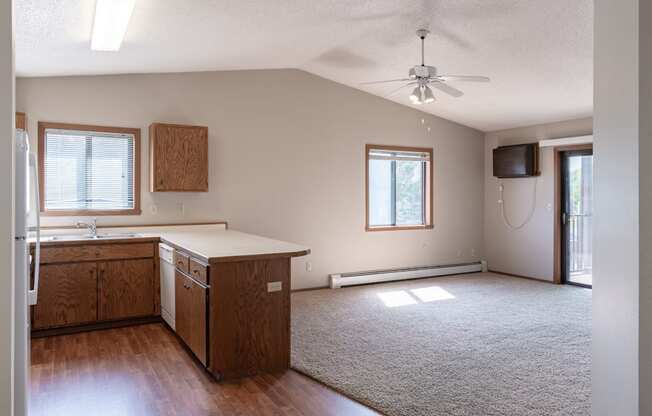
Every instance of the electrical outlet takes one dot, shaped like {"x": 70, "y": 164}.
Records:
{"x": 153, "y": 209}
{"x": 182, "y": 208}
{"x": 308, "y": 266}
{"x": 274, "y": 286}
{"x": 472, "y": 252}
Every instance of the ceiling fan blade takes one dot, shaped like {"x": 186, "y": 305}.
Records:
{"x": 469, "y": 78}
{"x": 396, "y": 90}
{"x": 447, "y": 89}
{"x": 387, "y": 81}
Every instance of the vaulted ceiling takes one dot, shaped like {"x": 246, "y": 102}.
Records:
{"x": 539, "y": 54}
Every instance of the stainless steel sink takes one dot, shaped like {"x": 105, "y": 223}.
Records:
{"x": 73, "y": 237}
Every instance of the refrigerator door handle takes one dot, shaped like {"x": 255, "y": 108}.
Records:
{"x": 32, "y": 294}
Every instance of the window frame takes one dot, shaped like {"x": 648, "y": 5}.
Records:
{"x": 428, "y": 189}
{"x": 43, "y": 126}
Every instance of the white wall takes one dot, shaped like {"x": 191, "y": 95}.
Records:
{"x": 617, "y": 311}
{"x": 528, "y": 251}
{"x": 6, "y": 207}
{"x": 286, "y": 160}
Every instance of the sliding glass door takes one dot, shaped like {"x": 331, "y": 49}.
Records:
{"x": 577, "y": 217}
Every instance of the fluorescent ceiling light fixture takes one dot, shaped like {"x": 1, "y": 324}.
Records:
{"x": 110, "y": 24}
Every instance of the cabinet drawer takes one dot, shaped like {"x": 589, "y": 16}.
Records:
{"x": 198, "y": 271}
{"x": 181, "y": 261}
{"x": 92, "y": 252}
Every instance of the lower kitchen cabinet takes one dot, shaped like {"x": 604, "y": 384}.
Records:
{"x": 91, "y": 283}
{"x": 67, "y": 295}
{"x": 190, "y": 310}
{"x": 126, "y": 289}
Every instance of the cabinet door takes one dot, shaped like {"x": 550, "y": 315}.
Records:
{"x": 126, "y": 289}
{"x": 21, "y": 121}
{"x": 67, "y": 295}
{"x": 179, "y": 157}
{"x": 190, "y": 320}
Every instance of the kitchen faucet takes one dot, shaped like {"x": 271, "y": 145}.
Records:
{"x": 92, "y": 226}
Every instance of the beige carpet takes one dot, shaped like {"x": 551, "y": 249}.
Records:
{"x": 479, "y": 344}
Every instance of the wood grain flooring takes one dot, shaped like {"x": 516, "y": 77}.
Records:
{"x": 144, "y": 370}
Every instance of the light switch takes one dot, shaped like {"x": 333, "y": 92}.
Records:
{"x": 274, "y": 286}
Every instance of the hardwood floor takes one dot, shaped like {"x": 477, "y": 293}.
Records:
{"x": 144, "y": 370}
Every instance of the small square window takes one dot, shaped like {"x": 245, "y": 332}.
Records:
{"x": 399, "y": 187}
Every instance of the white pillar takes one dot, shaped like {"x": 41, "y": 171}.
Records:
{"x": 7, "y": 117}
{"x": 622, "y": 286}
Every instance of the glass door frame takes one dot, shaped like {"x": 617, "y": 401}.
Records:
{"x": 564, "y": 155}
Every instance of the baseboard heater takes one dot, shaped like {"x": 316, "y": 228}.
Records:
{"x": 360, "y": 278}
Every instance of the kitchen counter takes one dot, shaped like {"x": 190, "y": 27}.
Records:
{"x": 231, "y": 289}
{"x": 212, "y": 243}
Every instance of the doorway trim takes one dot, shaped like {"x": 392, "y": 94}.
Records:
{"x": 557, "y": 270}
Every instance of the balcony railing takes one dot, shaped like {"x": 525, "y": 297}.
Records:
{"x": 580, "y": 243}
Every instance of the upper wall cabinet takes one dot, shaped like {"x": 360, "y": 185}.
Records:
{"x": 21, "y": 121}
{"x": 178, "y": 158}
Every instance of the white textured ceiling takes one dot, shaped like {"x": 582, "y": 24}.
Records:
{"x": 539, "y": 54}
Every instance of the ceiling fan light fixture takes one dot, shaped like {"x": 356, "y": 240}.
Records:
{"x": 428, "y": 96}
{"x": 425, "y": 75}
{"x": 415, "y": 97}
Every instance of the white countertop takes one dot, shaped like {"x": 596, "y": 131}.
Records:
{"x": 210, "y": 242}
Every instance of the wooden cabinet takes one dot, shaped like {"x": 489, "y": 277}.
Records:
{"x": 126, "y": 289}
{"x": 67, "y": 295}
{"x": 190, "y": 310}
{"x": 21, "y": 121}
{"x": 249, "y": 321}
{"x": 178, "y": 158}
{"x": 88, "y": 283}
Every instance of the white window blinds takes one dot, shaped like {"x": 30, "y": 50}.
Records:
{"x": 383, "y": 154}
{"x": 88, "y": 170}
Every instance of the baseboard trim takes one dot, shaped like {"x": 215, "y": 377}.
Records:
{"x": 40, "y": 333}
{"x": 520, "y": 276}
{"x": 307, "y": 289}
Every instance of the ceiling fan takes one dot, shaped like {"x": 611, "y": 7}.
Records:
{"x": 425, "y": 76}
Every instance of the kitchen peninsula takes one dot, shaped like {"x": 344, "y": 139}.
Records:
{"x": 231, "y": 289}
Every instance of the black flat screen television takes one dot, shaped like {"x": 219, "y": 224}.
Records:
{"x": 516, "y": 161}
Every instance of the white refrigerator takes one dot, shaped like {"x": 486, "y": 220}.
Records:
{"x": 26, "y": 209}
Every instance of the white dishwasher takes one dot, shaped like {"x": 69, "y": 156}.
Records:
{"x": 166, "y": 254}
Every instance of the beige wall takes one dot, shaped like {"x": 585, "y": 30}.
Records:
{"x": 527, "y": 251}
{"x": 6, "y": 207}
{"x": 286, "y": 160}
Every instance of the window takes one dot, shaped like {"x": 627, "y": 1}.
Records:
{"x": 89, "y": 170}
{"x": 399, "y": 188}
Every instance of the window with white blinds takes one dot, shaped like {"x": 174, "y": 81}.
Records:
{"x": 88, "y": 171}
